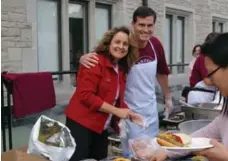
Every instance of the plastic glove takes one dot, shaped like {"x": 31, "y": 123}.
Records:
{"x": 168, "y": 106}
{"x": 138, "y": 119}
{"x": 123, "y": 128}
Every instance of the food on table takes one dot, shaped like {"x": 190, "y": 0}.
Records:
{"x": 177, "y": 118}
{"x": 173, "y": 140}
{"x": 121, "y": 159}
{"x": 198, "y": 158}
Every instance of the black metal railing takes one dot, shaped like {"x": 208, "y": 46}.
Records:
{"x": 6, "y": 109}
{"x": 180, "y": 67}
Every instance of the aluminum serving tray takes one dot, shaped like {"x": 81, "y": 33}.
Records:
{"x": 200, "y": 111}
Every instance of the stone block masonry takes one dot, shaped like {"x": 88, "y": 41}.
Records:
{"x": 16, "y": 35}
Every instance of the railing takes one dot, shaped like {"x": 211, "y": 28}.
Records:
{"x": 6, "y": 110}
{"x": 180, "y": 68}
{"x": 178, "y": 65}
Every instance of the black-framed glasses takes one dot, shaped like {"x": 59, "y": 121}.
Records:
{"x": 213, "y": 72}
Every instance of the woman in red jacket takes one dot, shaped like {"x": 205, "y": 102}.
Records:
{"x": 99, "y": 96}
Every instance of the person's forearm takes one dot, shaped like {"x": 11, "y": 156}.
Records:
{"x": 163, "y": 82}
{"x": 107, "y": 108}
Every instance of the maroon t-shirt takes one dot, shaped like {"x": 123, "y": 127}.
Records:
{"x": 199, "y": 71}
{"x": 147, "y": 55}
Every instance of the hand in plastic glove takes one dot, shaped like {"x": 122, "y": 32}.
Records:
{"x": 168, "y": 106}
{"x": 89, "y": 60}
{"x": 219, "y": 152}
{"x": 160, "y": 155}
{"x": 137, "y": 119}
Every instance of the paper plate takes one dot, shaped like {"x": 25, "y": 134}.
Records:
{"x": 196, "y": 144}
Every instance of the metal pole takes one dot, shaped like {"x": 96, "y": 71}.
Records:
{"x": 9, "y": 119}
{"x": 3, "y": 116}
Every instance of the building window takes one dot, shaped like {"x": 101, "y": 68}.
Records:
{"x": 49, "y": 35}
{"x": 213, "y": 26}
{"x": 175, "y": 41}
{"x": 219, "y": 24}
{"x": 168, "y": 38}
{"x": 103, "y": 20}
{"x": 78, "y": 32}
{"x": 221, "y": 27}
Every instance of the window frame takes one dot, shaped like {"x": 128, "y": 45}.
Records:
{"x": 59, "y": 35}
{"x": 170, "y": 16}
{"x": 175, "y": 14}
{"x": 109, "y": 8}
{"x": 86, "y": 23}
{"x": 219, "y": 24}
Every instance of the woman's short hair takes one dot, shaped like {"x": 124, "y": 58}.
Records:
{"x": 103, "y": 47}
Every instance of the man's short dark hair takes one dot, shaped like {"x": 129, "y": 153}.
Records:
{"x": 144, "y": 11}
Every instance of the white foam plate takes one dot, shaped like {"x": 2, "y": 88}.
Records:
{"x": 196, "y": 144}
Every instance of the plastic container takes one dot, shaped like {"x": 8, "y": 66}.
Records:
{"x": 191, "y": 126}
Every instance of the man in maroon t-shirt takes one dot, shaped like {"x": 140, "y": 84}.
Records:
{"x": 141, "y": 80}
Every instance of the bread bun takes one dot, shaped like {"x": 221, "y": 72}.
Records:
{"x": 173, "y": 140}
{"x": 165, "y": 143}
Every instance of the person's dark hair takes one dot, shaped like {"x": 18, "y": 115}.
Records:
{"x": 194, "y": 48}
{"x": 144, "y": 11}
{"x": 217, "y": 50}
{"x": 211, "y": 36}
{"x": 103, "y": 48}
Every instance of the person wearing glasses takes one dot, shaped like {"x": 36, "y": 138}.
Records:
{"x": 216, "y": 63}
{"x": 202, "y": 90}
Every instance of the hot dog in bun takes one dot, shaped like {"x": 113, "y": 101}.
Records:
{"x": 173, "y": 140}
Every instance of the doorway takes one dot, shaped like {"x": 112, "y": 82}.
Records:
{"x": 76, "y": 41}
{"x": 78, "y": 34}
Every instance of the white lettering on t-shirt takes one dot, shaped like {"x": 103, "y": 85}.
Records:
{"x": 145, "y": 59}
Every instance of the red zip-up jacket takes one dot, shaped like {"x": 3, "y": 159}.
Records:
{"x": 95, "y": 86}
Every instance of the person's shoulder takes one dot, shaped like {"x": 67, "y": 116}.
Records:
{"x": 222, "y": 118}
{"x": 155, "y": 40}
{"x": 102, "y": 59}
{"x": 200, "y": 59}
